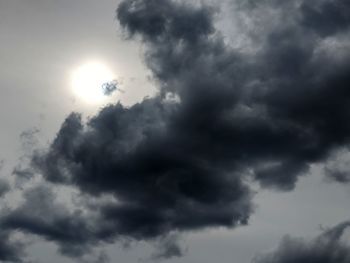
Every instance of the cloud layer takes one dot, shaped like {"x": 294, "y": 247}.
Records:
{"x": 175, "y": 165}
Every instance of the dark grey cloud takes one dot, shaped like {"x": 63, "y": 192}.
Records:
{"x": 4, "y": 184}
{"x": 148, "y": 155}
{"x": 156, "y": 19}
{"x": 182, "y": 165}
{"x": 4, "y": 187}
{"x": 326, "y": 17}
{"x": 77, "y": 231}
{"x": 337, "y": 166}
{"x": 10, "y": 251}
{"x": 42, "y": 215}
{"x": 163, "y": 192}
{"x": 327, "y": 248}
{"x": 110, "y": 87}
{"x": 338, "y": 174}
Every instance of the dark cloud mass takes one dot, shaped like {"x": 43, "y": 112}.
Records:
{"x": 327, "y": 248}
{"x": 183, "y": 165}
{"x": 326, "y": 17}
{"x": 41, "y": 214}
{"x": 10, "y": 251}
{"x": 153, "y": 157}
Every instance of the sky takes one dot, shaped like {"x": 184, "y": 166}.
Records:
{"x": 222, "y": 135}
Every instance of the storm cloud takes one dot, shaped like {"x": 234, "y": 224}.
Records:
{"x": 153, "y": 157}
{"x": 184, "y": 165}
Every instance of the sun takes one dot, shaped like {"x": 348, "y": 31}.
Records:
{"x": 88, "y": 79}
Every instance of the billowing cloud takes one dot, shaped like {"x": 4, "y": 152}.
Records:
{"x": 183, "y": 165}
{"x": 157, "y": 157}
{"x": 327, "y": 248}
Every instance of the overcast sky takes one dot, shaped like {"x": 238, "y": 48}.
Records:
{"x": 225, "y": 140}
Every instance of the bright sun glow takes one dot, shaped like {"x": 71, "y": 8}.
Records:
{"x": 88, "y": 79}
